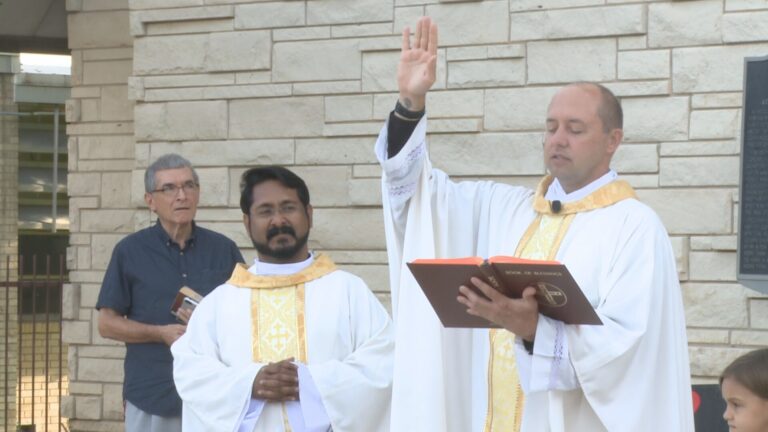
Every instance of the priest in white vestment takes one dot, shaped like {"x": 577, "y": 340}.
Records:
{"x": 537, "y": 374}
{"x": 291, "y": 343}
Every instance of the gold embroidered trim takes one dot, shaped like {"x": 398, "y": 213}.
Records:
{"x": 542, "y": 240}
{"x": 489, "y": 410}
{"x": 279, "y": 312}
{"x": 611, "y": 193}
{"x": 502, "y": 369}
{"x": 241, "y": 277}
{"x": 300, "y": 324}
{"x": 255, "y": 326}
{"x": 529, "y": 232}
{"x": 278, "y": 322}
{"x": 543, "y": 237}
{"x": 565, "y": 224}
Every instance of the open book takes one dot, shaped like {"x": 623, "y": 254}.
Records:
{"x": 186, "y": 298}
{"x": 558, "y": 294}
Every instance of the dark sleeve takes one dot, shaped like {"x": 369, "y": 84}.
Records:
{"x": 398, "y": 132}
{"x": 115, "y": 290}
{"x": 237, "y": 257}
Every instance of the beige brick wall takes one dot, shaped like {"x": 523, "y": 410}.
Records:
{"x": 9, "y": 161}
{"x": 234, "y": 83}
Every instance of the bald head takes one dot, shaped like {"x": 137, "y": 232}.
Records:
{"x": 609, "y": 110}
{"x": 583, "y": 131}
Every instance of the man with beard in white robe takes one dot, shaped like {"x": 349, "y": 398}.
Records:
{"x": 536, "y": 374}
{"x": 291, "y": 343}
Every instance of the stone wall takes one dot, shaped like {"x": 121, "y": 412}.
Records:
{"x": 235, "y": 83}
{"x": 101, "y": 158}
{"x": 9, "y": 209}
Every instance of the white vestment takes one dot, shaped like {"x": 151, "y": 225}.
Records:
{"x": 630, "y": 374}
{"x": 347, "y": 338}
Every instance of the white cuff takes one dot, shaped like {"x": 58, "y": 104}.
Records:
{"x": 308, "y": 414}
{"x": 551, "y": 367}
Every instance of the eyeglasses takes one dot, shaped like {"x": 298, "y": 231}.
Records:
{"x": 269, "y": 212}
{"x": 171, "y": 190}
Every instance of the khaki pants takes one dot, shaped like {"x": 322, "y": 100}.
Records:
{"x": 137, "y": 420}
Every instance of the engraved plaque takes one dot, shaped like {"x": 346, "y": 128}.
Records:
{"x": 753, "y": 202}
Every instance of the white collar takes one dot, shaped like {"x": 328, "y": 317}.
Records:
{"x": 270, "y": 269}
{"x": 556, "y": 191}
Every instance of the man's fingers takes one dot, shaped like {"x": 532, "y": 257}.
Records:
{"x": 406, "y": 39}
{"x": 271, "y": 368}
{"x": 171, "y": 332}
{"x": 266, "y": 394}
{"x": 417, "y": 37}
{"x": 184, "y": 315}
{"x": 288, "y": 378}
{"x": 432, "y": 47}
{"x": 529, "y": 294}
{"x": 471, "y": 300}
{"x": 424, "y": 40}
{"x": 276, "y": 390}
{"x": 290, "y": 393}
{"x": 426, "y": 25}
{"x": 291, "y": 374}
{"x": 278, "y": 382}
{"x": 432, "y": 68}
{"x": 487, "y": 290}
{"x": 468, "y": 296}
{"x": 475, "y": 304}
{"x": 271, "y": 383}
{"x": 283, "y": 394}
{"x": 463, "y": 298}
{"x": 288, "y": 366}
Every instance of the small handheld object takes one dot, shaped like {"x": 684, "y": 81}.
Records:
{"x": 186, "y": 299}
{"x": 188, "y": 303}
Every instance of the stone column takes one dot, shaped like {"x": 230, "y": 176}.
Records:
{"x": 9, "y": 208}
{"x": 101, "y": 158}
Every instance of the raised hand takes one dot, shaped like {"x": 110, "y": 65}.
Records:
{"x": 418, "y": 63}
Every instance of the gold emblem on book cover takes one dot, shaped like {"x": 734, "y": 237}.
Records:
{"x": 550, "y": 295}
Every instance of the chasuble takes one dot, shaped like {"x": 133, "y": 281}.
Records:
{"x": 631, "y": 374}
{"x": 325, "y": 318}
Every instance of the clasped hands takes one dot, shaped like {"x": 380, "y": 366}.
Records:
{"x": 520, "y": 316}
{"x": 277, "y": 382}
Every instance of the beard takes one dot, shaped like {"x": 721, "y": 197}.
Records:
{"x": 281, "y": 252}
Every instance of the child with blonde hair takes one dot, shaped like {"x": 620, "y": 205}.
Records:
{"x": 744, "y": 385}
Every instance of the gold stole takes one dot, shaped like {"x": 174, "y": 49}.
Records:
{"x": 541, "y": 241}
{"x": 277, "y": 312}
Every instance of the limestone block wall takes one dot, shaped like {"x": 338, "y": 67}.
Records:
{"x": 9, "y": 209}
{"x": 101, "y": 157}
{"x": 235, "y": 83}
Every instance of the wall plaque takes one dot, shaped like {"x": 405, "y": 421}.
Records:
{"x": 753, "y": 201}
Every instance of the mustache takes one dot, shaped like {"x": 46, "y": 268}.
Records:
{"x": 284, "y": 229}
